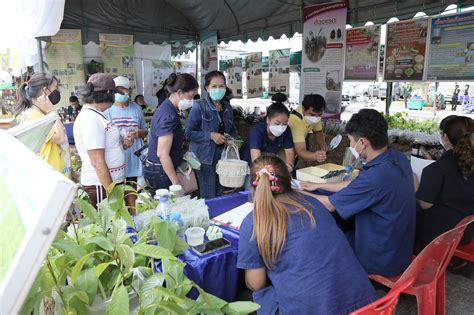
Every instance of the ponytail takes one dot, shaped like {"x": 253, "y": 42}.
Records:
{"x": 464, "y": 153}
{"x": 25, "y": 101}
{"x": 272, "y": 197}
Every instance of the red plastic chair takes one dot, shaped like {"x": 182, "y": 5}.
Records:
{"x": 429, "y": 271}
{"x": 387, "y": 304}
{"x": 466, "y": 252}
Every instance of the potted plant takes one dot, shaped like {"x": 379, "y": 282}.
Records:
{"x": 98, "y": 266}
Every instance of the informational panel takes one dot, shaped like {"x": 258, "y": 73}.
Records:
{"x": 406, "y": 50}
{"x": 207, "y": 56}
{"x": 234, "y": 76}
{"x": 64, "y": 59}
{"x": 34, "y": 199}
{"x": 362, "y": 53}
{"x": 117, "y": 55}
{"x": 323, "y": 52}
{"x": 451, "y": 49}
{"x": 253, "y": 64}
{"x": 163, "y": 68}
{"x": 279, "y": 71}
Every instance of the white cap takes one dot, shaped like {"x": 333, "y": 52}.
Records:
{"x": 161, "y": 192}
{"x": 122, "y": 81}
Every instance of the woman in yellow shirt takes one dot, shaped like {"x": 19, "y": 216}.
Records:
{"x": 37, "y": 99}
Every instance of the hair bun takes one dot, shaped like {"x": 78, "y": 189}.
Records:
{"x": 172, "y": 79}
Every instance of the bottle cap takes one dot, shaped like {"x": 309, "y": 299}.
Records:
{"x": 176, "y": 216}
{"x": 347, "y": 168}
{"x": 175, "y": 188}
{"x": 161, "y": 192}
{"x": 163, "y": 198}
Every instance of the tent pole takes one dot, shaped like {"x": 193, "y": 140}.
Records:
{"x": 40, "y": 54}
{"x": 388, "y": 97}
{"x": 197, "y": 59}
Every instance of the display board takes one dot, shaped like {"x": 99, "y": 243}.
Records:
{"x": 279, "y": 71}
{"x": 234, "y": 76}
{"x": 322, "y": 63}
{"x": 64, "y": 59}
{"x": 405, "y": 51}
{"x": 117, "y": 55}
{"x": 163, "y": 68}
{"x": 207, "y": 56}
{"x": 253, "y": 64}
{"x": 362, "y": 53}
{"x": 34, "y": 199}
{"x": 451, "y": 48}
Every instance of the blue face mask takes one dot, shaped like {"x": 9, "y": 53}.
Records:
{"x": 216, "y": 94}
{"x": 121, "y": 97}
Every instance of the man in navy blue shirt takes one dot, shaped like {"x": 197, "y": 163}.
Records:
{"x": 381, "y": 199}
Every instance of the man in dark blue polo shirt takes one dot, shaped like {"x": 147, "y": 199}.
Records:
{"x": 381, "y": 199}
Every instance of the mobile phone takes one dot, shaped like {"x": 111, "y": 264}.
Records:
{"x": 211, "y": 246}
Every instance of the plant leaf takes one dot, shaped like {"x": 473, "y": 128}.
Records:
{"x": 86, "y": 208}
{"x": 115, "y": 197}
{"x": 71, "y": 248}
{"x": 155, "y": 280}
{"x": 165, "y": 233}
{"x": 240, "y": 308}
{"x": 169, "y": 307}
{"x": 127, "y": 217}
{"x": 127, "y": 256}
{"x": 180, "y": 246}
{"x": 87, "y": 281}
{"x": 152, "y": 251}
{"x": 119, "y": 303}
{"x": 99, "y": 269}
{"x": 78, "y": 266}
{"x": 101, "y": 241}
{"x": 119, "y": 229}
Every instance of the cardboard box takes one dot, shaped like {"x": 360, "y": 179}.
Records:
{"x": 313, "y": 174}
{"x": 7, "y": 121}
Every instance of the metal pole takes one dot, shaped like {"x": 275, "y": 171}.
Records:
{"x": 388, "y": 97}
{"x": 40, "y": 54}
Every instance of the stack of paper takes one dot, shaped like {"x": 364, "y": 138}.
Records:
{"x": 233, "y": 218}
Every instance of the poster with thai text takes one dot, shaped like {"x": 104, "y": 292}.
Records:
{"x": 451, "y": 49}
{"x": 234, "y": 76}
{"x": 208, "y": 56}
{"x": 117, "y": 55}
{"x": 253, "y": 64}
{"x": 405, "y": 50}
{"x": 362, "y": 53}
{"x": 279, "y": 71}
{"x": 322, "y": 62}
{"x": 64, "y": 59}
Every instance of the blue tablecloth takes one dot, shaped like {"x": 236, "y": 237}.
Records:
{"x": 217, "y": 272}
{"x": 69, "y": 132}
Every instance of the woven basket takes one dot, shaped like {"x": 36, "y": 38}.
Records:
{"x": 232, "y": 172}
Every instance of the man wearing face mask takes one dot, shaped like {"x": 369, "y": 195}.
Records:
{"x": 128, "y": 117}
{"x": 304, "y": 120}
{"x": 381, "y": 199}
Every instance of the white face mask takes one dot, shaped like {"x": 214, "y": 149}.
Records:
{"x": 312, "y": 120}
{"x": 277, "y": 130}
{"x": 354, "y": 151}
{"x": 185, "y": 104}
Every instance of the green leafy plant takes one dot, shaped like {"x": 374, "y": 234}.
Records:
{"x": 95, "y": 267}
{"x": 402, "y": 122}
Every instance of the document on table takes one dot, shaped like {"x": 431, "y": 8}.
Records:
{"x": 233, "y": 218}
{"x": 417, "y": 165}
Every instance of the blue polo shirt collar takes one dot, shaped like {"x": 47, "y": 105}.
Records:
{"x": 379, "y": 159}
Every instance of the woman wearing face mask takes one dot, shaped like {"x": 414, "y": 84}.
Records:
{"x": 270, "y": 137}
{"x": 295, "y": 257}
{"x": 304, "y": 120}
{"x": 37, "y": 99}
{"x": 210, "y": 118}
{"x": 165, "y": 140}
{"x": 446, "y": 192}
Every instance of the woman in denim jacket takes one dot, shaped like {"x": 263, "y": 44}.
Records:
{"x": 210, "y": 118}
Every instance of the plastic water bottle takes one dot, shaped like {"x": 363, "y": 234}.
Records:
{"x": 165, "y": 208}
{"x": 178, "y": 221}
{"x": 347, "y": 173}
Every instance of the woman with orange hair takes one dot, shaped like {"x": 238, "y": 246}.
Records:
{"x": 296, "y": 259}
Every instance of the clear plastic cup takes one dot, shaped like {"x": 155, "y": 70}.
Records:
{"x": 195, "y": 236}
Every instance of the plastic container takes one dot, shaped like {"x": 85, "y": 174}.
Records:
{"x": 195, "y": 236}
{"x": 177, "y": 190}
{"x": 164, "y": 207}
{"x": 161, "y": 192}
{"x": 178, "y": 221}
{"x": 347, "y": 174}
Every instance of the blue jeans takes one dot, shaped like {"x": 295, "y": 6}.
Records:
{"x": 209, "y": 186}
{"x": 155, "y": 176}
